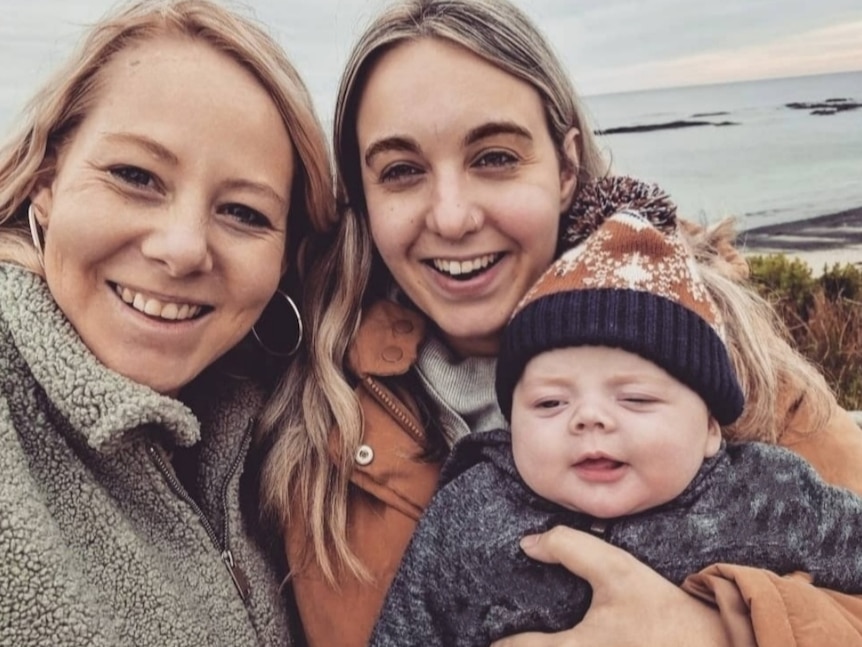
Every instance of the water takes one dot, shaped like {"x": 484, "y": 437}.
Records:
{"x": 777, "y": 165}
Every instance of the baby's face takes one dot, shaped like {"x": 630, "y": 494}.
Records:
{"x": 606, "y": 432}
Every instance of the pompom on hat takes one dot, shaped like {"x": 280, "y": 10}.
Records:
{"x": 630, "y": 282}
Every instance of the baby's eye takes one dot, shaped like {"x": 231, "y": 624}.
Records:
{"x": 496, "y": 159}
{"x": 134, "y": 176}
{"x": 399, "y": 172}
{"x": 549, "y": 404}
{"x": 638, "y": 400}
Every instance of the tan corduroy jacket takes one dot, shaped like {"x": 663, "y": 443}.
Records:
{"x": 391, "y": 487}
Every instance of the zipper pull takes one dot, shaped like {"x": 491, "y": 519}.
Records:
{"x": 236, "y": 574}
{"x": 599, "y": 528}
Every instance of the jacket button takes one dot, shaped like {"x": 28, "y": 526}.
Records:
{"x": 364, "y": 455}
{"x": 403, "y": 326}
{"x": 392, "y": 353}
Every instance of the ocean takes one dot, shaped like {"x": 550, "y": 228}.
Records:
{"x": 775, "y": 165}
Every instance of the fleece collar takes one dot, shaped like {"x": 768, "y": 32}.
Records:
{"x": 101, "y": 405}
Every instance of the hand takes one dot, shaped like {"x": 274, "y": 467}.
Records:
{"x": 633, "y": 606}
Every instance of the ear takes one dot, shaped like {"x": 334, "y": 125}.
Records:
{"x": 42, "y": 197}
{"x": 569, "y": 172}
{"x": 713, "y": 438}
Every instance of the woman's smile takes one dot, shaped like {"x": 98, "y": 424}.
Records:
{"x": 464, "y": 270}
{"x": 163, "y": 308}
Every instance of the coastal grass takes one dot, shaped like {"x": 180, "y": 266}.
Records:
{"x": 823, "y": 315}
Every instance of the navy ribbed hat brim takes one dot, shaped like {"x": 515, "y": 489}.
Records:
{"x": 658, "y": 329}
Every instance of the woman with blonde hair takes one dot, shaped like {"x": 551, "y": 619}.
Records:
{"x": 152, "y": 208}
{"x": 462, "y": 155}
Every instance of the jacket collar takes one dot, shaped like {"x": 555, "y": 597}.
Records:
{"x": 100, "y": 405}
{"x": 387, "y": 341}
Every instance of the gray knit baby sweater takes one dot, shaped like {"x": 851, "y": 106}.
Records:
{"x": 100, "y": 545}
{"x": 464, "y": 581}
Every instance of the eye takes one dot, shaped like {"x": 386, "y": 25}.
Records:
{"x": 638, "y": 400}
{"x": 247, "y": 216}
{"x": 134, "y": 176}
{"x": 549, "y": 403}
{"x": 399, "y": 172}
{"x": 496, "y": 159}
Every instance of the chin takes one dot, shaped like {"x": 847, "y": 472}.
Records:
{"x": 164, "y": 379}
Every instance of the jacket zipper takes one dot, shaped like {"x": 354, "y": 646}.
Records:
{"x": 384, "y": 399}
{"x": 223, "y": 547}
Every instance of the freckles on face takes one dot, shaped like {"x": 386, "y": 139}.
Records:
{"x": 462, "y": 185}
{"x": 165, "y": 224}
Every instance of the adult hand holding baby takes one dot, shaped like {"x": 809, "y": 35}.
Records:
{"x": 631, "y": 602}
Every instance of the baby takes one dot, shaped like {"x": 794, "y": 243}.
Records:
{"x": 616, "y": 380}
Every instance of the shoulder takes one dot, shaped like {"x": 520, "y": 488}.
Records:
{"x": 763, "y": 460}
{"x": 387, "y": 341}
{"x": 835, "y": 450}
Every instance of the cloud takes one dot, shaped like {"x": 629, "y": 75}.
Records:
{"x": 834, "y": 48}
{"x": 608, "y": 45}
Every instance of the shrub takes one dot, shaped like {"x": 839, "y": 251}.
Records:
{"x": 786, "y": 282}
{"x": 841, "y": 281}
{"x": 822, "y": 314}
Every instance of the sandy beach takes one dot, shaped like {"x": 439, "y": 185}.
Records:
{"x": 821, "y": 241}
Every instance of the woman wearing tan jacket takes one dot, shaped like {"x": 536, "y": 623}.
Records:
{"x": 461, "y": 151}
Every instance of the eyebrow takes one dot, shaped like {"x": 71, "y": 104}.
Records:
{"x": 260, "y": 188}
{"x": 493, "y": 128}
{"x": 406, "y": 144}
{"x": 151, "y": 145}
{"x": 394, "y": 143}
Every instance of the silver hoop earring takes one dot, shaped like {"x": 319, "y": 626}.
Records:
{"x": 36, "y": 233}
{"x": 275, "y": 330}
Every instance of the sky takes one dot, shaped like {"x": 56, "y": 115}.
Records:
{"x": 608, "y": 45}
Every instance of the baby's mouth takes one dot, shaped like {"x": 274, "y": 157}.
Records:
{"x": 600, "y": 463}
{"x": 466, "y": 269}
{"x": 158, "y": 308}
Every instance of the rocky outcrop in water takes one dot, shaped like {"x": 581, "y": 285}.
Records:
{"x": 829, "y": 107}
{"x": 668, "y": 125}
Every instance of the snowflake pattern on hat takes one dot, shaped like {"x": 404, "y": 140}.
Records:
{"x": 627, "y": 252}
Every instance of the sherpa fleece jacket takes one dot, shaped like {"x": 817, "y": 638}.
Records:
{"x": 464, "y": 582}
{"x": 100, "y": 543}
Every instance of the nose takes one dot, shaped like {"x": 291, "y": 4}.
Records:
{"x": 453, "y": 213}
{"x": 590, "y": 416}
{"x": 179, "y": 241}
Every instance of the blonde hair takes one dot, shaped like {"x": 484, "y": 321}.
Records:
{"x": 348, "y": 275}
{"x": 54, "y": 114}
{"x": 767, "y": 366}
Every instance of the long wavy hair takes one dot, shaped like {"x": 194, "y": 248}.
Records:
{"x": 53, "y": 116}
{"x": 301, "y": 476}
{"x": 767, "y": 365}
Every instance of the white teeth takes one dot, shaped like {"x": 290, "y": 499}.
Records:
{"x": 456, "y": 268}
{"x": 154, "y": 308}
{"x": 170, "y": 311}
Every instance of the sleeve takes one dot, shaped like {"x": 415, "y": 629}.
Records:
{"x": 431, "y": 602}
{"x": 835, "y": 451}
{"x": 772, "y": 610}
{"x": 779, "y": 611}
